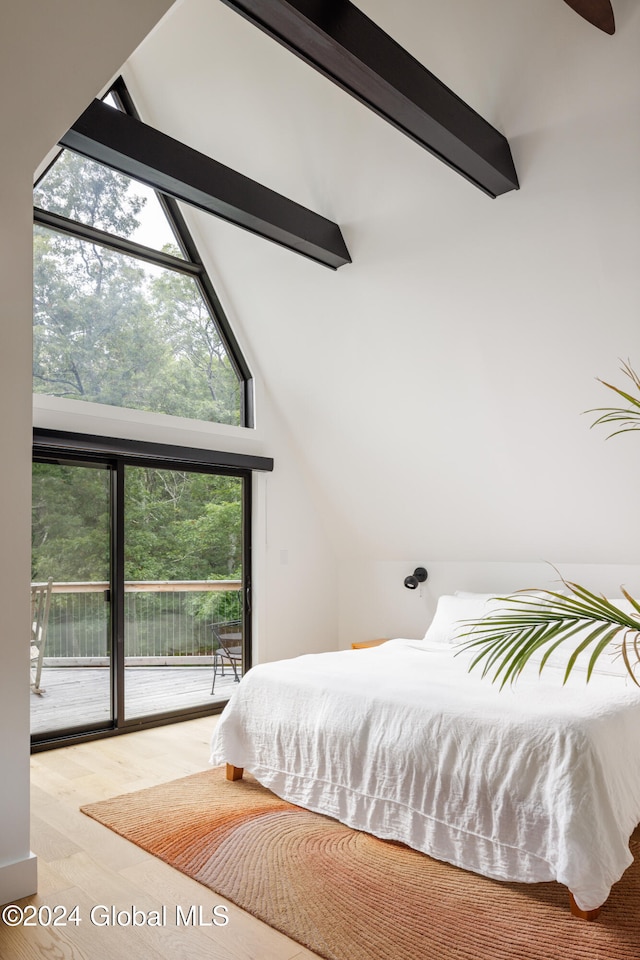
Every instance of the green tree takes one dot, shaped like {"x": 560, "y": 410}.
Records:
{"x": 70, "y": 523}
{"x": 85, "y": 191}
{"x": 182, "y": 525}
{"x": 204, "y": 380}
{"x": 111, "y": 329}
{"x": 93, "y": 332}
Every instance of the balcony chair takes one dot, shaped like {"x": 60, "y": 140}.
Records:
{"x": 40, "y": 605}
{"x": 228, "y": 650}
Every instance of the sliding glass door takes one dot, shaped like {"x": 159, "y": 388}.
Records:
{"x": 183, "y": 581}
{"x": 144, "y": 567}
{"x": 71, "y": 579}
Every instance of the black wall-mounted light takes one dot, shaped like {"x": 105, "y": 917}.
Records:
{"x": 418, "y": 576}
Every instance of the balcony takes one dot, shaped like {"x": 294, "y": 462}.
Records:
{"x": 169, "y": 651}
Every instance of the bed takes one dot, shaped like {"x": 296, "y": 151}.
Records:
{"x": 534, "y": 782}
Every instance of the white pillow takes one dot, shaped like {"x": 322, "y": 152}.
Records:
{"x": 446, "y": 626}
{"x": 609, "y": 663}
{"x": 469, "y": 595}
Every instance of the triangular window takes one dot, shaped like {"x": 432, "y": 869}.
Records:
{"x": 89, "y": 193}
{"x": 124, "y": 311}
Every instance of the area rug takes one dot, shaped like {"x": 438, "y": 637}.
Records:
{"x": 348, "y": 896}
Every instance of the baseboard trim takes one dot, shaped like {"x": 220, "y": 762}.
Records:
{"x": 18, "y": 879}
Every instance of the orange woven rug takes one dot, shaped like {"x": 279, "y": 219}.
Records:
{"x": 348, "y": 896}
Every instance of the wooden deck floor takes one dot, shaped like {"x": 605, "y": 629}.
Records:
{"x": 76, "y": 696}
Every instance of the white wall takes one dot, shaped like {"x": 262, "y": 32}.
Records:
{"x": 51, "y": 65}
{"x": 375, "y": 603}
{"x": 17, "y": 869}
{"x": 435, "y": 387}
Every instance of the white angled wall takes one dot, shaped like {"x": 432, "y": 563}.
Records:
{"x": 434, "y": 389}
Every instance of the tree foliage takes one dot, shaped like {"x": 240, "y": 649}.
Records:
{"x": 179, "y": 525}
{"x": 70, "y": 523}
{"x": 182, "y": 526}
{"x": 112, "y": 329}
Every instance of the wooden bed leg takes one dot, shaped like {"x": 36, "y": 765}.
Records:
{"x": 234, "y": 773}
{"x": 582, "y": 914}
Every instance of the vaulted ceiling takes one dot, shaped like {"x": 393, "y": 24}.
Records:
{"x": 434, "y": 386}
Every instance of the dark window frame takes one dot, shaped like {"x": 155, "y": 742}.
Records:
{"x": 192, "y": 265}
{"x": 60, "y": 446}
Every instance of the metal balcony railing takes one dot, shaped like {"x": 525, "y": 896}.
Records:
{"x": 164, "y": 619}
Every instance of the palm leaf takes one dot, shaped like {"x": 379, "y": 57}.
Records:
{"x": 543, "y": 620}
{"x": 628, "y": 418}
{"x": 504, "y": 641}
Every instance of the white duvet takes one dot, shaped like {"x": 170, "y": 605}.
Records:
{"x": 531, "y": 783}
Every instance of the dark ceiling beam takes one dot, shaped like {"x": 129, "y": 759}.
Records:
{"x": 139, "y": 151}
{"x": 339, "y": 41}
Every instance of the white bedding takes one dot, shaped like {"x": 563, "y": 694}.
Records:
{"x": 530, "y": 783}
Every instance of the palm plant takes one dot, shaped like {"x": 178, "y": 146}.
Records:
{"x": 629, "y": 417}
{"x": 534, "y": 622}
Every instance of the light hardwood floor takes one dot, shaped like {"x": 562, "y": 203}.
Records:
{"x": 82, "y": 863}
